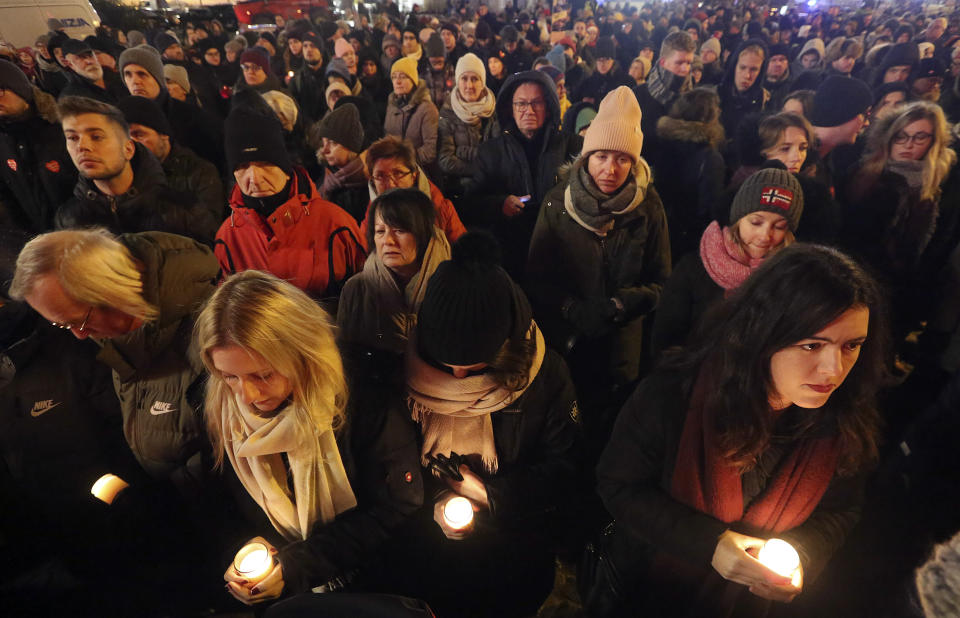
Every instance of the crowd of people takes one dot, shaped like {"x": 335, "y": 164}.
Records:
{"x": 646, "y": 286}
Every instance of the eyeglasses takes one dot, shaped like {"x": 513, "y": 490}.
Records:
{"x": 79, "y": 329}
{"x": 522, "y": 106}
{"x": 917, "y": 138}
{"x": 250, "y": 68}
{"x": 396, "y": 177}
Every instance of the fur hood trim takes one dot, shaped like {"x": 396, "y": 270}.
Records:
{"x": 690, "y": 131}
{"x": 45, "y": 106}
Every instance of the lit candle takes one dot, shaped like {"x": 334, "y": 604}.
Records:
{"x": 780, "y": 557}
{"x": 253, "y": 562}
{"x": 458, "y": 512}
{"x": 107, "y": 487}
{"x": 289, "y": 73}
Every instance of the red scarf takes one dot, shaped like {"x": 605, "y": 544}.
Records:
{"x": 704, "y": 480}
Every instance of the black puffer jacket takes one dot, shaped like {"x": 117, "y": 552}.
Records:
{"x": 198, "y": 129}
{"x": 598, "y": 85}
{"x": 502, "y": 169}
{"x": 36, "y": 175}
{"x": 79, "y": 86}
{"x": 689, "y": 170}
{"x": 686, "y": 297}
{"x": 149, "y": 204}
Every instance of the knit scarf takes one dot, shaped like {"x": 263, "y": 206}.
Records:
{"x": 350, "y": 176}
{"x": 704, "y": 480}
{"x": 454, "y": 413}
{"x": 472, "y": 112}
{"x": 664, "y": 86}
{"x": 726, "y": 263}
{"x": 402, "y": 305}
{"x": 593, "y": 209}
{"x": 915, "y": 220}
{"x": 321, "y": 489}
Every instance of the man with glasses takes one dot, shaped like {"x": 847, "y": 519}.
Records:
{"x": 136, "y": 295}
{"x": 87, "y": 78}
{"x": 196, "y": 128}
{"x": 515, "y": 170}
{"x": 36, "y": 174}
{"x": 279, "y": 222}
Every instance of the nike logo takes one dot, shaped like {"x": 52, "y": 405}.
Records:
{"x": 41, "y": 407}
{"x": 161, "y": 407}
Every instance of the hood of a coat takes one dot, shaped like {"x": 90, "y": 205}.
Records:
{"x": 505, "y": 98}
{"x": 730, "y": 74}
{"x": 690, "y": 131}
{"x": 147, "y": 176}
{"x": 815, "y": 45}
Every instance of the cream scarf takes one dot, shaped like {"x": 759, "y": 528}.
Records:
{"x": 472, "y": 112}
{"x": 321, "y": 489}
{"x": 454, "y": 413}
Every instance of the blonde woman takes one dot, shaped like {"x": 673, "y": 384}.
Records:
{"x": 136, "y": 295}
{"x": 334, "y": 474}
{"x": 897, "y": 218}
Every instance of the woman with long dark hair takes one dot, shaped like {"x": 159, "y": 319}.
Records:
{"x": 763, "y": 428}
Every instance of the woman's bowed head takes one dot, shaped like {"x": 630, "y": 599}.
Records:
{"x": 806, "y": 335}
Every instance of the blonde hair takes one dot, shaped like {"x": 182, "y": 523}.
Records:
{"x": 92, "y": 266}
{"x": 936, "y": 162}
{"x": 788, "y": 237}
{"x": 260, "y": 313}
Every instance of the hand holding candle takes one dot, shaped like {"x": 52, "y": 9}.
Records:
{"x": 255, "y": 574}
{"x": 779, "y": 556}
{"x": 734, "y": 560}
{"x": 454, "y": 515}
{"x": 253, "y": 562}
{"x": 107, "y": 487}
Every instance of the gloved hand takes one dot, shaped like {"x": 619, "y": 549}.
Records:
{"x": 592, "y": 317}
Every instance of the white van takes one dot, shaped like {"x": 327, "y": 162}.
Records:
{"x": 22, "y": 21}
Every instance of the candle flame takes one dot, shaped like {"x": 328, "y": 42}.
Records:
{"x": 780, "y": 557}
{"x": 253, "y": 560}
{"x": 458, "y": 512}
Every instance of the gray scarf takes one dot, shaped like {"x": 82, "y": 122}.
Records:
{"x": 592, "y": 208}
{"x": 664, "y": 86}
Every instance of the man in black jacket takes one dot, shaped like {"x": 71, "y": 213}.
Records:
{"x": 668, "y": 79}
{"x": 36, "y": 175}
{"x": 201, "y": 130}
{"x": 86, "y": 78}
{"x": 741, "y": 91}
{"x": 308, "y": 84}
{"x": 514, "y": 171}
{"x": 121, "y": 183}
{"x": 607, "y": 76}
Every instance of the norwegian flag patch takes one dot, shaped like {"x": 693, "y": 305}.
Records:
{"x": 776, "y": 196}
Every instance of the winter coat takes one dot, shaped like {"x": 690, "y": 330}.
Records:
{"x": 308, "y": 241}
{"x": 457, "y": 147}
{"x": 440, "y": 83}
{"x": 37, "y": 174}
{"x": 502, "y": 169}
{"x": 157, "y": 373}
{"x": 689, "y": 171}
{"x": 569, "y": 263}
{"x": 656, "y": 104}
{"x": 199, "y": 130}
{"x": 378, "y": 447}
{"x": 687, "y": 295}
{"x": 599, "y": 84}
{"x": 518, "y": 61}
{"x": 734, "y": 105}
{"x": 416, "y": 121}
{"x": 308, "y": 88}
{"x": 188, "y": 173}
{"x": 149, "y": 204}
{"x": 779, "y": 90}
{"x": 79, "y": 86}
{"x": 352, "y": 194}
{"x": 664, "y": 541}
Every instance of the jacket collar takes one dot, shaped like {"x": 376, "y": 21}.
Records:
{"x": 288, "y": 214}
{"x": 147, "y": 176}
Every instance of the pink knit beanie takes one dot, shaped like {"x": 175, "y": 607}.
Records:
{"x": 616, "y": 126}
{"x": 341, "y": 47}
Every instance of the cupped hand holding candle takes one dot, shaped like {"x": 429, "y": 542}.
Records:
{"x": 734, "y": 560}
{"x": 255, "y": 574}
{"x": 780, "y": 557}
{"x": 107, "y": 487}
{"x": 454, "y": 515}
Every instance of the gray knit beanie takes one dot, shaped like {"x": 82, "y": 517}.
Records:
{"x": 342, "y": 125}
{"x": 148, "y": 58}
{"x": 771, "y": 190}
{"x": 135, "y": 38}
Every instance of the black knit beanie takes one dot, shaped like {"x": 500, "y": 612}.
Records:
{"x": 471, "y": 306}
{"x": 838, "y": 100}
{"x": 163, "y": 41}
{"x": 252, "y": 136}
{"x": 141, "y": 110}
{"x": 434, "y": 47}
{"x": 342, "y": 125}
{"x": 13, "y": 79}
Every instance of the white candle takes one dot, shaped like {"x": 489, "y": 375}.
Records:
{"x": 458, "y": 512}
{"x": 107, "y": 487}
{"x": 780, "y": 557}
{"x": 253, "y": 562}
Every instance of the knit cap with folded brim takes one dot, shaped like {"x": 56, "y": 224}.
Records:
{"x": 616, "y": 125}
{"x": 471, "y": 63}
{"x": 407, "y": 66}
{"x": 771, "y": 190}
{"x": 148, "y": 58}
{"x": 342, "y": 125}
{"x": 178, "y": 75}
{"x": 838, "y": 100}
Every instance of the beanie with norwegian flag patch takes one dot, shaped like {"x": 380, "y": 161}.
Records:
{"x": 772, "y": 190}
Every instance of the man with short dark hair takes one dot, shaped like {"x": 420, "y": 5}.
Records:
{"x": 668, "y": 79}
{"x": 121, "y": 184}
{"x": 86, "y": 78}
{"x": 439, "y": 74}
{"x": 515, "y": 57}
{"x": 36, "y": 174}
{"x": 308, "y": 84}
{"x": 607, "y": 74}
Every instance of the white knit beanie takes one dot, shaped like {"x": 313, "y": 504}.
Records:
{"x": 470, "y": 63}
{"x": 616, "y": 126}
{"x": 711, "y": 44}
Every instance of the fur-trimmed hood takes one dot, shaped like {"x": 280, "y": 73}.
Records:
{"x": 45, "y": 106}
{"x": 690, "y": 131}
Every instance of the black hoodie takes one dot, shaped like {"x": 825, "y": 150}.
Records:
{"x": 734, "y": 105}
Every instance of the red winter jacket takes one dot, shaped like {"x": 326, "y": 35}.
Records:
{"x": 308, "y": 241}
